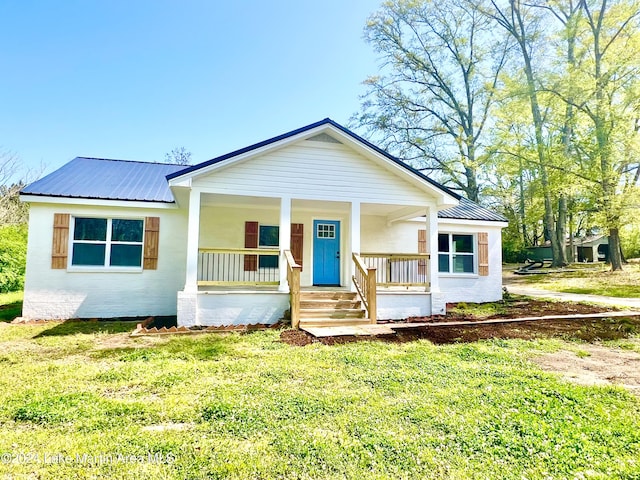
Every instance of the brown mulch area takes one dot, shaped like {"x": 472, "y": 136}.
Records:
{"x": 523, "y": 308}
{"x": 587, "y": 330}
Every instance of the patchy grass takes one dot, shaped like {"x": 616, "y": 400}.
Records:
{"x": 478, "y": 311}
{"x": 10, "y": 306}
{"x": 590, "y": 279}
{"x": 248, "y": 406}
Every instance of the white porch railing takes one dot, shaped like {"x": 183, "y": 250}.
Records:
{"x": 399, "y": 269}
{"x": 238, "y": 266}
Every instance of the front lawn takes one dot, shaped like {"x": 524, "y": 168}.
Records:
{"x": 74, "y": 396}
{"x": 10, "y": 305}
{"x": 595, "y": 279}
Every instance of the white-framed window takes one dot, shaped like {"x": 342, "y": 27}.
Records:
{"x": 268, "y": 237}
{"x": 456, "y": 253}
{"x": 326, "y": 230}
{"x": 107, "y": 242}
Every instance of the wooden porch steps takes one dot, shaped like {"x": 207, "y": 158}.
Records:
{"x": 331, "y": 308}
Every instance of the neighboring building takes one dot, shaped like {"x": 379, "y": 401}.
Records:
{"x": 582, "y": 249}
{"x": 223, "y": 242}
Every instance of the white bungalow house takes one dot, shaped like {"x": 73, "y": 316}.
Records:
{"x": 317, "y": 222}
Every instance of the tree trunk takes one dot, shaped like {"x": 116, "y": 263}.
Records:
{"x": 614, "y": 249}
{"x": 572, "y": 246}
{"x": 521, "y": 206}
{"x": 562, "y": 228}
{"x": 540, "y": 145}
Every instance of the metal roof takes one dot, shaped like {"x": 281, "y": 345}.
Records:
{"x": 468, "y": 210}
{"x": 106, "y": 179}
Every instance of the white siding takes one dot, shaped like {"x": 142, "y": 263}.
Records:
{"x": 315, "y": 170}
{"x": 473, "y": 288}
{"x": 241, "y": 308}
{"x": 59, "y": 294}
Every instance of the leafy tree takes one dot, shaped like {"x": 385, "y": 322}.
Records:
{"x": 523, "y": 24}
{"x": 13, "y": 256}
{"x": 432, "y": 103}
{"x": 603, "y": 87}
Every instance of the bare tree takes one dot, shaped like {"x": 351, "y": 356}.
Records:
{"x": 179, "y": 156}
{"x": 442, "y": 66}
{"x": 12, "y": 210}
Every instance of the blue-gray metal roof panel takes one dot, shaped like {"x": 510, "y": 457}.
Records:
{"x": 468, "y": 210}
{"x": 99, "y": 178}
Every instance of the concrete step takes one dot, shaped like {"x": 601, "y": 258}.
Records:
{"x": 331, "y": 313}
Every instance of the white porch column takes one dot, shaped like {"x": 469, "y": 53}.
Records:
{"x": 355, "y": 240}
{"x": 438, "y": 301}
{"x": 193, "y": 239}
{"x": 285, "y": 240}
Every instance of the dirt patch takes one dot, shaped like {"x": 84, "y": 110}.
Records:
{"x": 591, "y": 330}
{"x": 595, "y": 365}
{"x": 588, "y": 330}
{"x": 297, "y": 338}
{"x": 517, "y": 308}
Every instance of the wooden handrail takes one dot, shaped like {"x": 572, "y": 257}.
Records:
{"x": 293, "y": 278}
{"x": 398, "y": 256}
{"x": 365, "y": 283}
{"x": 247, "y": 251}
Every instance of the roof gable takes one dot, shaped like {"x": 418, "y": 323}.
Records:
{"x": 312, "y": 131}
{"x": 316, "y": 170}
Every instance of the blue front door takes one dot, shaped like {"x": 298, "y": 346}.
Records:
{"x": 326, "y": 252}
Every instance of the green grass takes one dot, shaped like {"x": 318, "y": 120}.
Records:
{"x": 592, "y": 279}
{"x": 478, "y": 310}
{"x": 10, "y": 306}
{"x": 248, "y": 406}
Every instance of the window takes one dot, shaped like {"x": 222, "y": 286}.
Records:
{"x": 106, "y": 242}
{"x": 455, "y": 253}
{"x": 268, "y": 237}
{"x": 325, "y": 230}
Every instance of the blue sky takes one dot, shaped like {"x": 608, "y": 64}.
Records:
{"x": 133, "y": 79}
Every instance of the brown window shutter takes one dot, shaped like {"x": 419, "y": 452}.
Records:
{"x": 483, "y": 254}
{"x": 297, "y": 236}
{"x": 151, "y": 243}
{"x": 422, "y": 248}
{"x": 60, "y": 248}
{"x": 250, "y": 241}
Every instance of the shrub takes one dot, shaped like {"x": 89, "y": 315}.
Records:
{"x": 630, "y": 239}
{"x": 13, "y": 257}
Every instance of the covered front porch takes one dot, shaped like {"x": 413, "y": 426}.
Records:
{"x": 252, "y": 259}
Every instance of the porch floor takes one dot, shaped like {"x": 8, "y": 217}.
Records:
{"x": 349, "y": 330}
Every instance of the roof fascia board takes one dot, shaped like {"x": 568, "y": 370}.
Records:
{"x": 240, "y": 157}
{"x": 486, "y": 223}
{"x": 96, "y": 202}
{"x": 461, "y": 221}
